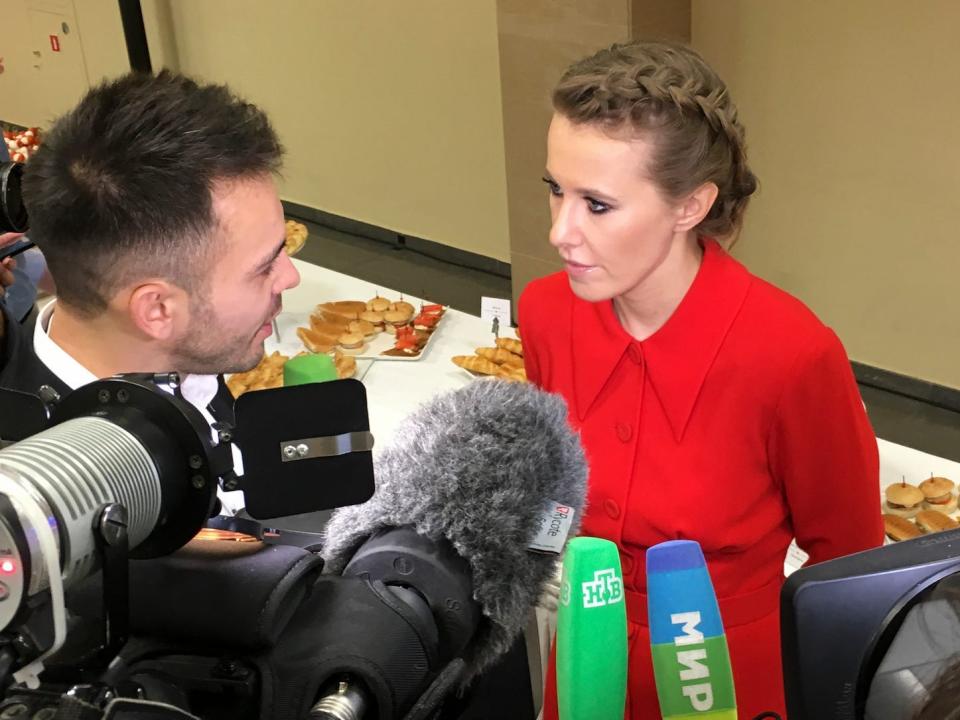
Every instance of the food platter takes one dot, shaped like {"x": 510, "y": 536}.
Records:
{"x": 376, "y": 329}
{"x": 911, "y": 510}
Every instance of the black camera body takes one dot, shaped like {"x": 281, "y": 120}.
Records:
{"x": 13, "y": 213}
{"x": 232, "y": 625}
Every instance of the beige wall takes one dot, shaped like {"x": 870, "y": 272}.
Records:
{"x": 390, "y": 111}
{"x": 39, "y": 84}
{"x": 853, "y": 121}
{"x": 538, "y": 40}
{"x": 426, "y": 116}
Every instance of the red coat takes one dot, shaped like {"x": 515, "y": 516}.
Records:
{"x": 738, "y": 424}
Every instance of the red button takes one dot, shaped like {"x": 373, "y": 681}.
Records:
{"x": 635, "y": 354}
{"x": 611, "y": 508}
{"x": 624, "y": 432}
{"x": 626, "y": 563}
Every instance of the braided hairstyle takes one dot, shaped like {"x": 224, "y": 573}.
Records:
{"x": 667, "y": 92}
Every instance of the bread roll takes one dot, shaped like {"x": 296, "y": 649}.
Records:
{"x": 316, "y": 342}
{"x": 932, "y": 521}
{"x": 344, "y": 309}
{"x": 898, "y": 528}
{"x": 322, "y": 326}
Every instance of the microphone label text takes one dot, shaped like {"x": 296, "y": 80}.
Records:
{"x": 553, "y": 527}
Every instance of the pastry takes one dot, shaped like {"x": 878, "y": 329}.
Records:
{"x": 476, "y": 364}
{"x": 315, "y": 342}
{"x": 500, "y": 356}
{"x": 511, "y": 345}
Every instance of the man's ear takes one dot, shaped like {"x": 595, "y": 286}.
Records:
{"x": 695, "y": 207}
{"x": 157, "y": 308}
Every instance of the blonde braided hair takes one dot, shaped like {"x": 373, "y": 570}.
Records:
{"x": 669, "y": 93}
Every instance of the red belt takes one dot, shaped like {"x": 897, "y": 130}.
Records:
{"x": 735, "y": 610}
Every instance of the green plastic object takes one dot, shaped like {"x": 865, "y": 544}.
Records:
{"x": 311, "y": 368}
{"x": 591, "y": 633}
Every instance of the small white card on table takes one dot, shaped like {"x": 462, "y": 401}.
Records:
{"x": 499, "y": 308}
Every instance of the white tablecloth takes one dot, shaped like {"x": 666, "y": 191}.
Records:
{"x": 396, "y": 387}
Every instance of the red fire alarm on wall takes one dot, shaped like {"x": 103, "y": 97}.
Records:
{"x": 55, "y": 43}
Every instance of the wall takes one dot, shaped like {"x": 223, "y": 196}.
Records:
{"x": 852, "y": 120}
{"x": 538, "y": 40}
{"x": 39, "y": 84}
{"x": 390, "y": 111}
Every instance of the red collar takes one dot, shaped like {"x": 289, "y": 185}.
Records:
{"x": 679, "y": 355}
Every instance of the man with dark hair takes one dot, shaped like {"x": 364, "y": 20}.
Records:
{"x": 155, "y": 206}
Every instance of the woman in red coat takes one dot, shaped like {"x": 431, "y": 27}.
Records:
{"x": 712, "y": 406}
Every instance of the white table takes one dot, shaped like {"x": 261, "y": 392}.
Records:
{"x": 396, "y": 387}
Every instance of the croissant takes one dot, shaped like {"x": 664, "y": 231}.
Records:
{"x": 511, "y": 373}
{"x": 476, "y": 364}
{"x": 511, "y": 345}
{"x": 500, "y": 356}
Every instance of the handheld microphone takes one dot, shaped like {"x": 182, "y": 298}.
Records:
{"x": 481, "y": 470}
{"x": 591, "y": 633}
{"x": 691, "y": 662}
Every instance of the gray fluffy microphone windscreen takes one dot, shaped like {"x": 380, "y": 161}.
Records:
{"x": 477, "y": 466}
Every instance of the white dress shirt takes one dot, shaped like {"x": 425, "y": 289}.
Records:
{"x": 198, "y": 390}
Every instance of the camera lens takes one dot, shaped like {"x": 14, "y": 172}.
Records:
{"x": 13, "y": 214}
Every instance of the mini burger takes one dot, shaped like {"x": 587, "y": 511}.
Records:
{"x": 350, "y": 343}
{"x": 903, "y": 499}
{"x": 393, "y": 319}
{"x": 374, "y": 318}
{"x": 378, "y": 304}
{"x": 404, "y": 307}
{"x": 364, "y": 328}
{"x": 938, "y": 494}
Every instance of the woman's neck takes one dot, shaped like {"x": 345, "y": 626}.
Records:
{"x": 646, "y": 308}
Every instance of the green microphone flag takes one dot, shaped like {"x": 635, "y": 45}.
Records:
{"x": 591, "y": 633}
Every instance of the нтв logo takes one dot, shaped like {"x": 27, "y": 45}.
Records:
{"x": 606, "y": 588}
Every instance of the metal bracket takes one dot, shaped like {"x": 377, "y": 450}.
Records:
{"x": 328, "y": 446}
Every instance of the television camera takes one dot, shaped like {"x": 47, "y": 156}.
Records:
{"x": 124, "y": 595}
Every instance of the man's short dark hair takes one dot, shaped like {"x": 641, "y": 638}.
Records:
{"x": 122, "y": 186}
